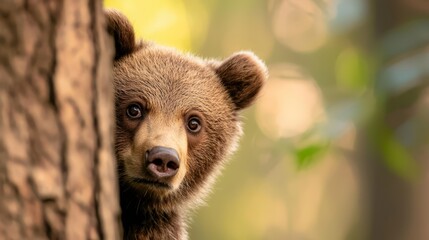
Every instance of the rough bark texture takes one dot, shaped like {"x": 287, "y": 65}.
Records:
{"x": 57, "y": 170}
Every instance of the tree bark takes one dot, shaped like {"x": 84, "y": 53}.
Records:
{"x": 399, "y": 207}
{"x": 57, "y": 167}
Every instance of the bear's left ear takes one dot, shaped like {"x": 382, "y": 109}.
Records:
{"x": 243, "y": 75}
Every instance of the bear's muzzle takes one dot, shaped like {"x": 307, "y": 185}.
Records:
{"x": 162, "y": 162}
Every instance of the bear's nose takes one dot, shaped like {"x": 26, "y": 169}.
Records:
{"x": 162, "y": 162}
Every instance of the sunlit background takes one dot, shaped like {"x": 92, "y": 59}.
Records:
{"x": 337, "y": 146}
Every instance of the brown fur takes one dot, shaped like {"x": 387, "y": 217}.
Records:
{"x": 171, "y": 87}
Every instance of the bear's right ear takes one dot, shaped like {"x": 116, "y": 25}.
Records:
{"x": 122, "y": 31}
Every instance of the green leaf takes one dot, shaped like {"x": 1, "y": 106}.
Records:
{"x": 309, "y": 154}
{"x": 352, "y": 70}
{"x": 395, "y": 156}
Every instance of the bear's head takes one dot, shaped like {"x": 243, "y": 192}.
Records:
{"x": 177, "y": 116}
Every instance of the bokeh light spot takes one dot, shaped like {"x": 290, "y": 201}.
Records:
{"x": 300, "y": 25}
{"x": 289, "y": 104}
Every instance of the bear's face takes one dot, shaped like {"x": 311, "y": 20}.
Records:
{"x": 165, "y": 99}
{"x": 177, "y": 115}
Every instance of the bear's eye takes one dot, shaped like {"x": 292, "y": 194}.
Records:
{"x": 194, "y": 124}
{"x": 134, "y": 111}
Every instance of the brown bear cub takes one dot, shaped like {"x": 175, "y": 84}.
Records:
{"x": 177, "y": 122}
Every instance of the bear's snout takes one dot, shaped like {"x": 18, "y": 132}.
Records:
{"x": 162, "y": 162}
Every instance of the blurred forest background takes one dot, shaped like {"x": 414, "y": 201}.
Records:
{"x": 337, "y": 145}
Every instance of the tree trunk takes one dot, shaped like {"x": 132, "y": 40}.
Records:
{"x": 57, "y": 167}
{"x": 399, "y": 207}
